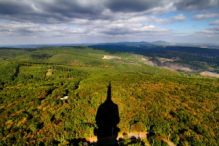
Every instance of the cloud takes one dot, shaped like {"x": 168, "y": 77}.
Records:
{"x": 216, "y": 22}
{"x": 95, "y": 27}
{"x": 196, "y": 4}
{"x": 83, "y": 18}
{"x": 159, "y": 20}
{"x": 131, "y": 29}
{"x": 11, "y": 7}
{"x": 50, "y": 11}
{"x": 32, "y": 29}
{"x": 179, "y": 17}
{"x": 64, "y": 18}
{"x": 211, "y": 32}
{"x": 56, "y": 11}
{"x": 205, "y": 16}
{"x": 134, "y": 6}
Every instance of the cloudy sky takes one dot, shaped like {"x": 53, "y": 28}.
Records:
{"x": 95, "y": 21}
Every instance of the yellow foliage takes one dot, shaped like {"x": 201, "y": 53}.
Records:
{"x": 22, "y": 121}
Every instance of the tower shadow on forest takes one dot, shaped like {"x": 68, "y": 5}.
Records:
{"x": 107, "y": 118}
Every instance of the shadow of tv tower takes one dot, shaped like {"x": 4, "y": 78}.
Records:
{"x": 107, "y": 118}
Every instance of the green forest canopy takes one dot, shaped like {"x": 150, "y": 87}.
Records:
{"x": 181, "y": 107}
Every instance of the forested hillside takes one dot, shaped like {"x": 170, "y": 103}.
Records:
{"x": 169, "y": 105}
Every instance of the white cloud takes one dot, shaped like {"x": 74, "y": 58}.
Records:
{"x": 216, "y": 22}
{"x": 205, "y": 16}
{"x": 180, "y": 17}
{"x": 211, "y": 32}
{"x": 160, "y": 20}
{"x": 165, "y": 7}
{"x": 30, "y": 29}
{"x": 95, "y": 27}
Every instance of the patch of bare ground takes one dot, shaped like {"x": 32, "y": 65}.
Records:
{"x": 110, "y": 57}
{"x": 148, "y": 62}
{"x": 208, "y": 73}
{"x": 168, "y": 64}
{"x": 49, "y": 72}
{"x": 166, "y": 60}
{"x": 136, "y": 134}
{"x": 178, "y": 67}
{"x": 170, "y": 143}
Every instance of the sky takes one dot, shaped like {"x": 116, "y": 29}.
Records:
{"x": 98, "y": 21}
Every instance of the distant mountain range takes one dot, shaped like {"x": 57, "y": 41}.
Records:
{"x": 162, "y": 43}
{"x": 142, "y": 43}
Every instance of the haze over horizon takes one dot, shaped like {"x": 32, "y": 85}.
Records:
{"x": 98, "y": 21}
